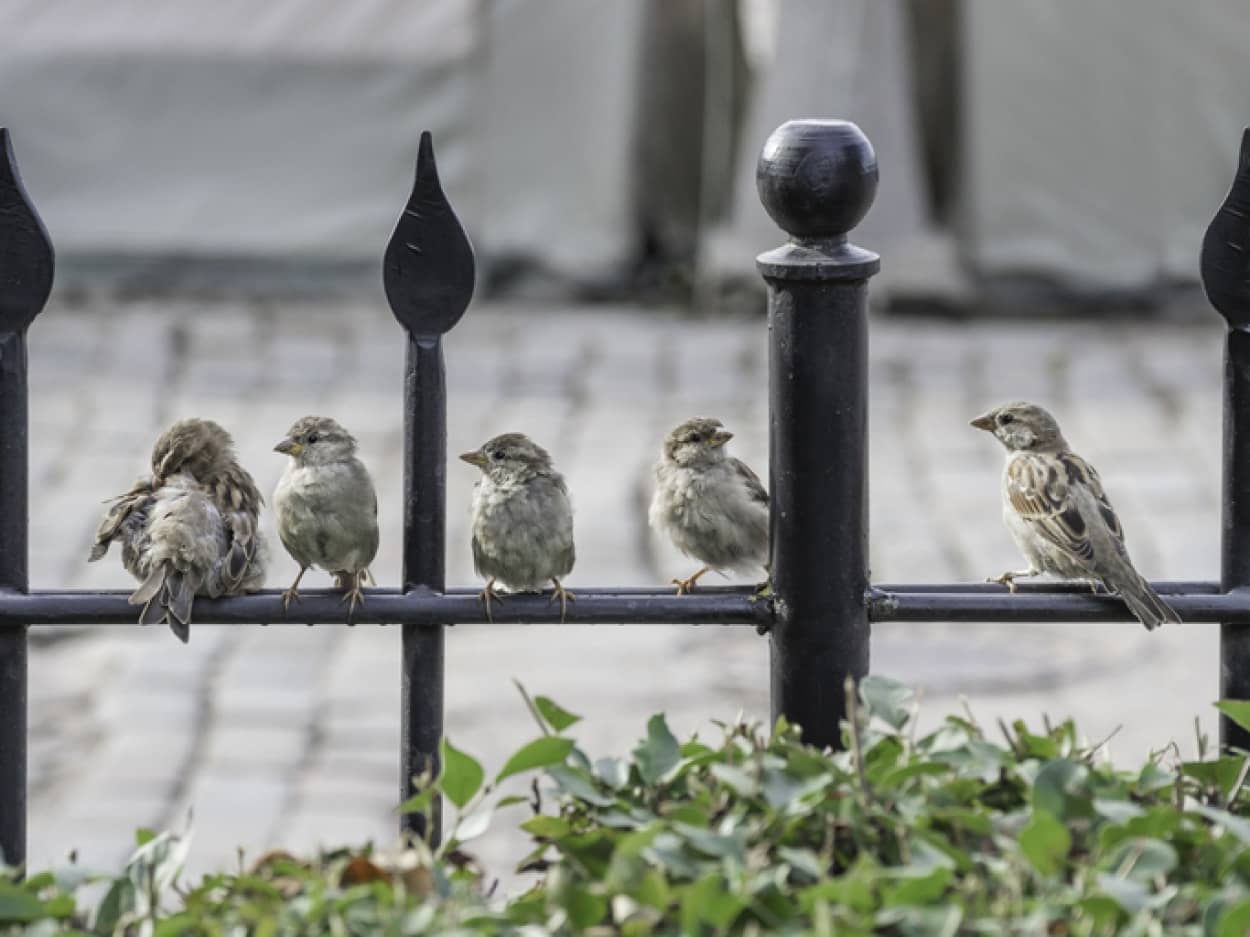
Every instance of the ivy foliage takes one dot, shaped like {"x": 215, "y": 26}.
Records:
{"x": 958, "y": 831}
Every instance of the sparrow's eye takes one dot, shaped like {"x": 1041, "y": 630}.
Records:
{"x": 313, "y": 437}
{"x": 1006, "y": 418}
{"x": 497, "y": 455}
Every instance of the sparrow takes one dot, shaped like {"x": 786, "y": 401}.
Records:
{"x": 189, "y": 528}
{"x": 327, "y": 507}
{"x": 711, "y": 505}
{"x": 522, "y": 521}
{"x": 1058, "y": 514}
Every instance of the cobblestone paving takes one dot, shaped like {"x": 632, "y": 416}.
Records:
{"x": 289, "y": 735}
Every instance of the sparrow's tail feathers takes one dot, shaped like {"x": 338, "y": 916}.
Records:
{"x": 1144, "y": 602}
{"x": 148, "y": 589}
{"x": 178, "y": 599}
{"x": 167, "y": 596}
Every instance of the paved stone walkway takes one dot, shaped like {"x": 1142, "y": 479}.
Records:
{"x": 289, "y": 734}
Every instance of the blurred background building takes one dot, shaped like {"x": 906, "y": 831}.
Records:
{"x": 1032, "y": 154}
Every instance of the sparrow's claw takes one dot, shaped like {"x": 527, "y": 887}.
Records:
{"x": 292, "y": 594}
{"x": 686, "y": 586}
{"x": 355, "y": 595}
{"x": 1009, "y": 578}
{"x": 564, "y": 595}
{"x": 486, "y": 595}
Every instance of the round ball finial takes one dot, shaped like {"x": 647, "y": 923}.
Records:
{"x": 817, "y": 178}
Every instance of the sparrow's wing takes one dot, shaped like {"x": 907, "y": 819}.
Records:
{"x": 752, "y": 481}
{"x": 125, "y": 507}
{"x": 1042, "y": 490}
{"x": 239, "y": 501}
{"x": 1079, "y": 472}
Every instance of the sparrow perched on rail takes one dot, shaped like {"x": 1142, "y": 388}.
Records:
{"x": 327, "y": 508}
{"x": 189, "y": 528}
{"x": 711, "y": 505}
{"x": 522, "y": 521}
{"x": 1058, "y": 515}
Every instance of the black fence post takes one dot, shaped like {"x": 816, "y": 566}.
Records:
{"x": 817, "y": 179}
{"x": 428, "y": 275}
{"x": 1225, "y": 266}
{"x": 25, "y": 281}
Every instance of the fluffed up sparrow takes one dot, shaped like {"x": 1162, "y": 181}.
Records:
{"x": 1058, "y": 515}
{"x": 327, "y": 507}
{"x": 711, "y": 505}
{"x": 522, "y": 521}
{"x": 189, "y": 528}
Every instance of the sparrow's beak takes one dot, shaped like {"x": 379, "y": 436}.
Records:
{"x": 985, "y": 421}
{"x": 289, "y": 447}
{"x": 720, "y": 437}
{"x": 475, "y": 457}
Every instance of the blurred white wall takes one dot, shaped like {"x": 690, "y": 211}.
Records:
{"x": 1099, "y": 137}
{"x": 1094, "y": 139}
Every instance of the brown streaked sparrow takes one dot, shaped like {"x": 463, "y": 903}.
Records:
{"x": 711, "y": 505}
{"x": 522, "y": 521}
{"x": 327, "y": 507}
{"x": 1058, "y": 514}
{"x": 188, "y": 529}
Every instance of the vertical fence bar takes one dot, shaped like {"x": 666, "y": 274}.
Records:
{"x": 25, "y": 280}
{"x": 817, "y": 179}
{"x": 428, "y": 274}
{"x": 1225, "y": 266}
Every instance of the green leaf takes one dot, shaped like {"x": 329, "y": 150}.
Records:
{"x": 418, "y": 802}
{"x": 462, "y": 775}
{"x": 540, "y": 753}
{"x": 1129, "y": 894}
{"x": 1142, "y": 859}
{"x": 118, "y": 900}
{"x": 17, "y": 905}
{"x": 584, "y": 909}
{"x": 546, "y": 827}
{"x": 143, "y": 836}
{"x": 803, "y": 861}
{"x": 1118, "y": 811}
{"x": 1237, "y": 710}
{"x": 576, "y": 784}
{"x": 613, "y": 772}
{"x": 556, "y": 716}
{"x": 708, "y": 901}
{"x": 659, "y": 753}
{"x": 1045, "y": 842}
{"x": 886, "y": 699}
{"x": 1060, "y": 789}
{"x": 1235, "y": 920}
{"x": 1238, "y": 826}
{"x": 473, "y": 826}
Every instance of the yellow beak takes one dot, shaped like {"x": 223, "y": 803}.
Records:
{"x": 289, "y": 447}
{"x": 985, "y": 421}
{"x": 720, "y": 437}
{"x": 474, "y": 458}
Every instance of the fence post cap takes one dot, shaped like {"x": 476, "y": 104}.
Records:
{"x": 817, "y": 178}
{"x": 428, "y": 268}
{"x": 1224, "y": 263}
{"x": 26, "y": 258}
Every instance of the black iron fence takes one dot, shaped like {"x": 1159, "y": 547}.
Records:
{"x": 817, "y": 179}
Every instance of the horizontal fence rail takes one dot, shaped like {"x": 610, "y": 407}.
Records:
{"x": 817, "y": 179}
{"x": 1196, "y": 602}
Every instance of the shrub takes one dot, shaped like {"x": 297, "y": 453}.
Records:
{"x": 949, "y": 833}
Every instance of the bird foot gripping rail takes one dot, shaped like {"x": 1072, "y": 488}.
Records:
{"x": 817, "y": 179}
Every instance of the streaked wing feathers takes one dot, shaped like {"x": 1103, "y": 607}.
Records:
{"x": 752, "y": 481}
